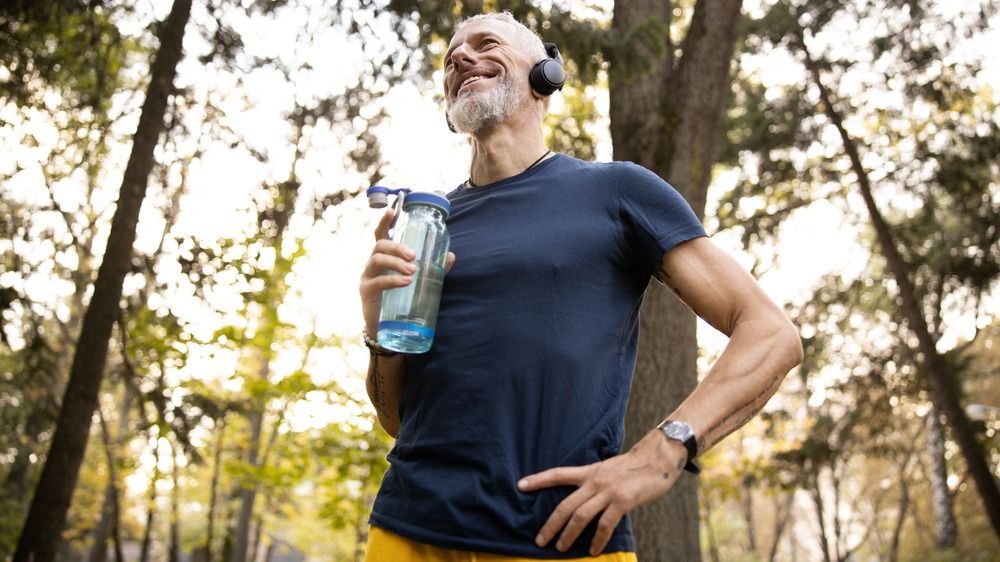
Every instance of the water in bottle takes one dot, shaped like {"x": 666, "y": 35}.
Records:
{"x": 409, "y": 314}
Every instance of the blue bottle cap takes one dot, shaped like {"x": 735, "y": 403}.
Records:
{"x": 426, "y": 198}
{"x": 378, "y": 197}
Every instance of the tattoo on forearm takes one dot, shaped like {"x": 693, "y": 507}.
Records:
{"x": 378, "y": 382}
{"x": 738, "y": 417}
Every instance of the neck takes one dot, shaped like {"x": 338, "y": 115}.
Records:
{"x": 505, "y": 150}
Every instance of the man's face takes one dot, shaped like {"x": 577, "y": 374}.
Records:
{"x": 485, "y": 75}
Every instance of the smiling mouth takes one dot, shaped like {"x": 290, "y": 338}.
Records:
{"x": 471, "y": 80}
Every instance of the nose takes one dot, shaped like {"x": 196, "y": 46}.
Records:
{"x": 462, "y": 54}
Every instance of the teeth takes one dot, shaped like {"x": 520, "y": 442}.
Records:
{"x": 471, "y": 79}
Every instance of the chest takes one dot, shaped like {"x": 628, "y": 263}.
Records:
{"x": 534, "y": 241}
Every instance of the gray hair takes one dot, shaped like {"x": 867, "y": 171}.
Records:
{"x": 530, "y": 43}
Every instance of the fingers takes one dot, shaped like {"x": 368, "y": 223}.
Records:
{"x": 449, "y": 262}
{"x": 578, "y": 520}
{"x": 559, "y": 476}
{"x": 390, "y": 255}
{"x": 569, "y": 510}
{"x": 382, "y": 230}
{"x": 560, "y": 515}
{"x": 609, "y": 521}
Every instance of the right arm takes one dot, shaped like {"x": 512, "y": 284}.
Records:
{"x": 385, "y": 384}
{"x": 385, "y": 374}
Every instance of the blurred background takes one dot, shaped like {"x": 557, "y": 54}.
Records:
{"x": 846, "y": 152}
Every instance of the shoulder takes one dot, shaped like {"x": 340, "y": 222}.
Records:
{"x": 626, "y": 175}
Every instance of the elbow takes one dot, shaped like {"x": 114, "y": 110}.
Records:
{"x": 792, "y": 344}
{"x": 391, "y": 429}
{"x": 390, "y": 426}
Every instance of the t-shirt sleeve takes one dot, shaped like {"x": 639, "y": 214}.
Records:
{"x": 655, "y": 215}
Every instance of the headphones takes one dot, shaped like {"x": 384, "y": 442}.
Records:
{"x": 545, "y": 77}
{"x": 548, "y": 75}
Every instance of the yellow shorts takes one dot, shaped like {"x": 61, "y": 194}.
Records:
{"x": 384, "y": 546}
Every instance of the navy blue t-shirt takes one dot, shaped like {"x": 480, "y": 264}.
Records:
{"x": 533, "y": 356}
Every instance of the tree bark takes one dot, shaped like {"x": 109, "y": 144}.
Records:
{"x": 748, "y": 515}
{"x": 941, "y": 499}
{"x": 47, "y": 514}
{"x": 174, "y": 554}
{"x": 109, "y": 524}
{"x": 248, "y": 491}
{"x": 213, "y": 499}
{"x": 903, "y": 509}
{"x": 817, "y": 496}
{"x": 945, "y": 389}
{"x": 783, "y": 512}
{"x": 669, "y": 121}
{"x": 147, "y": 534}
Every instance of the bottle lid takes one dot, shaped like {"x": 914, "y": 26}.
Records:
{"x": 378, "y": 197}
{"x": 426, "y": 198}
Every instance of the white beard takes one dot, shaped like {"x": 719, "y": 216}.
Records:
{"x": 478, "y": 110}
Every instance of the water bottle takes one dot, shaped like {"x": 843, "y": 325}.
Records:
{"x": 409, "y": 314}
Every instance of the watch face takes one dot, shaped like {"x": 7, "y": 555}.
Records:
{"x": 679, "y": 431}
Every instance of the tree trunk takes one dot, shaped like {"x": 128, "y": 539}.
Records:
{"x": 783, "y": 512}
{"x": 248, "y": 493}
{"x": 748, "y": 515}
{"x": 669, "y": 120}
{"x": 214, "y": 497}
{"x": 108, "y": 526}
{"x": 824, "y": 540}
{"x": 258, "y": 531}
{"x": 175, "y": 508}
{"x": 904, "y": 507}
{"x": 282, "y": 211}
{"x": 47, "y": 514}
{"x": 941, "y": 500}
{"x": 147, "y": 534}
{"x": 945, "y": 389}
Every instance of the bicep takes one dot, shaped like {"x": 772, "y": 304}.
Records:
{"x": 714, "y": 285}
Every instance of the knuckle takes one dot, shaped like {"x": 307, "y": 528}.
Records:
{"x": 562, "y": 511}
{"x": 620, "y": 496}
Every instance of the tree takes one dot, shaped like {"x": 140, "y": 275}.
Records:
{"x": 944, "y": 388}
{"x": 670, "y": 121}
{"x": 910, "y": 120}
{"x": 47, "y": 513}
{"x": 63, "y": 63}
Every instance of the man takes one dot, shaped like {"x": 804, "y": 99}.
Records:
{"x": 509, "y": 429}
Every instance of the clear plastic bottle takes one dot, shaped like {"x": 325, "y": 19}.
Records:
{"x": 409, "y": 314}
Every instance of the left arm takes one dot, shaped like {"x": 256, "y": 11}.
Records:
{"x": 763, "y": 346}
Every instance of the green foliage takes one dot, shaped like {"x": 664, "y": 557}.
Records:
{"x": 73, "y": 48}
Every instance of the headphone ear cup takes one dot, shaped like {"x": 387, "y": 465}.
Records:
{"x": 547, "y": 76}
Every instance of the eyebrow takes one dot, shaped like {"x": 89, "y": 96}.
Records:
{"x": 477, "y": 35}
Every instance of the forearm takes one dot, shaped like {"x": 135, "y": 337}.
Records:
{"x": 385, "y": 386}
{"x": 756, "y": 359}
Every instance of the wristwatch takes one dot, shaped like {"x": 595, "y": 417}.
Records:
{"x": 681, "y": 431}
